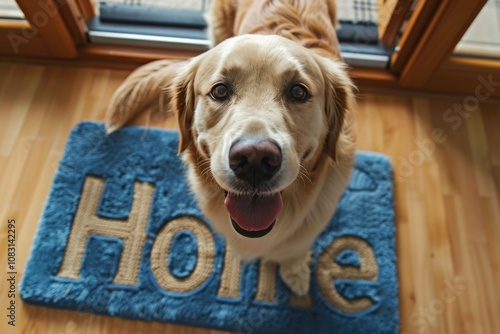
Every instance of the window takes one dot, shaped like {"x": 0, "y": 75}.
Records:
{"x": 179, "y": 24}
{"x": 10, "y": 10}
{"x": 482, "y": 39}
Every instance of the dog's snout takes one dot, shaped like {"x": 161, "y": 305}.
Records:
{"x": 255, "y": 159}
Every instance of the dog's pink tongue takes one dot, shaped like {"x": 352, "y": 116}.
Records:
{"x": 254, "y": 213}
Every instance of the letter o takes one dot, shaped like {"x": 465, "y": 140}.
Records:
{"x": 204, "y": 262}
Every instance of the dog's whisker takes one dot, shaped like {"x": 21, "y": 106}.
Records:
{"x": 301, "y": 178}
{"x": 206, "y": 171}
{"x": 202, "y": 160}
{"x": 305, "y": 174}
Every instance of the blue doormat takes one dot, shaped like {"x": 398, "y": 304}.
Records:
{"x": 121, "y": 235}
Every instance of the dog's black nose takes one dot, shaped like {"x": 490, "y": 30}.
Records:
{"x": 254, "y": 159}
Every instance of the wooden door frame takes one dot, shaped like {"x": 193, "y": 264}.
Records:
{"x": 415, "y": 28}
{"x": 74, "y": 20}
{"x": 86, "y": 8}
{"x": 446, "y": 27}
{"x": 391, "y": 16}
{"x": 43, "y": 32}
{"x": 18, "y": 39}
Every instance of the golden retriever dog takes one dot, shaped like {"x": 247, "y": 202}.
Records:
{"x": 265, "y": 125}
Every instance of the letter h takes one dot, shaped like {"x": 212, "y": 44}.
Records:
{"x": 131, "y": 231}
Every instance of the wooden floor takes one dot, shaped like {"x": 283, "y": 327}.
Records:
{"x": 447, "y": 172}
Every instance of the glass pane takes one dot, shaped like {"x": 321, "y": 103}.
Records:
{"x": 180, "y": 24}
{"x": 184, "y": 4}
{"x": 10, "y": 10}
{"x": 363, "y": 11}
{"x": 483, "y": 36}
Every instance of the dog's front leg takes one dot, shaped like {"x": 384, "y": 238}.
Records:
{"x": 296, "y": 273}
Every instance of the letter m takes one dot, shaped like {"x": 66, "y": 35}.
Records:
{"x": 131, "y": 231}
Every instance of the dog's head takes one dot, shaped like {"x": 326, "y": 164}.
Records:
{"x": 263, "y": 110}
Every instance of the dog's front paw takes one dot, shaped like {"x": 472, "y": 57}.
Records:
{"x": 297, "y": 275}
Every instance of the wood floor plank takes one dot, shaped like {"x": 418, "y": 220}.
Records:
{"x": 480, "y": 154}
{"x": 12, "y": 176}
{"x": 71, "y": 106}
{"x": 40, "y": 103}
{"x": 17, "y": 97}
{"x": 7, "y": 70}
{"x": 490, "y": 114}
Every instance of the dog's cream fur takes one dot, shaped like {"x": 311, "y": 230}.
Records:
{"x": 278, "y": 44}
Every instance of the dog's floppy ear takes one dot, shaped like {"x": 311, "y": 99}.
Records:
{"x": 142, "y": 90}
{"x": 339, "y": 102}
{"x": 183, "y": 102}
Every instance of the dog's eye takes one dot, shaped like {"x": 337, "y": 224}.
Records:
{"x": 219, "y": 92}
{"x": 299, "y": 93}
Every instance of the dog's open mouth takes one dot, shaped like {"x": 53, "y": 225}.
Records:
{"x": 253, "y": 216}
